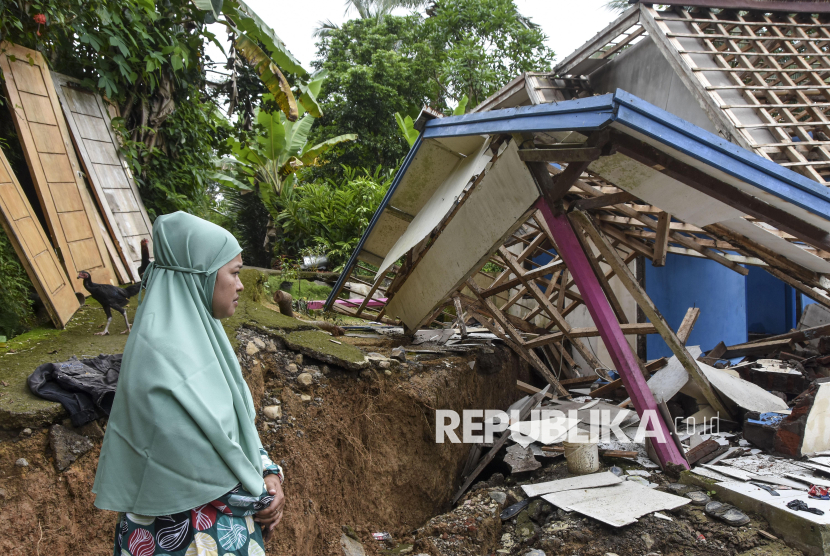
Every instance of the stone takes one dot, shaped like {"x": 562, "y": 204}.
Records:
{"x": 325, "y": 369}
{"x": 368, "y": 374}
{"x": 384, "y": 364}
{"x": 22, "y": 462}
{"x": 351, "y": 547}
{"x": 539, "y": 510}
{"x": 298, "y": 359}
{"x": 26, "y": 433}
{"x": 305, "y": 379}
{"x": 647, "y": 540}
{"x": 291, "y": 368}
{"x": 259, "y": 343}
{"x": 525, "y": 528}
{"x": 305, "y": 398}
{"x": 270, "y": 346}
{"x": 272, "y": 412}
{"x": 398, "y": 353}
{"x": 67, "y": 446}
{"x": 387, "y": 372}
{"x": 3, "y": 494}
{"x": 251, "y": 348}
{"x": 499, "y": 497}
{"x": 536, "y": 552}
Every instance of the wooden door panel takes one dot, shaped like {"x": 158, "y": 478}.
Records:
{"x": 92, "y": 128}
{"x": 81, "y": 102}
{"x": 15, "y": 204}
{"x": 30, "y": 235}
{"x": 114, "y": 177}
{"x": 32, "y": 247}
{"x": 66, "y": 196}
{"x": 33, "y": 100}
{"x": 37, "y": 109}
{"x": 120, "y": 200}
{"x": 123, "y": 212}
{"x": 28, "y": 76}
{"x": 57, "y": 167}
{"x": 47, "y": 139}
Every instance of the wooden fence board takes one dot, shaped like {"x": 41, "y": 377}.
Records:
{"x": 33, "y": 249}
{"x": 46, "y": 143}
{"x": 121, "y": 206}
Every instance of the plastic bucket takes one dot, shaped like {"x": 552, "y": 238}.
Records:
{"x": 582, "y": 457}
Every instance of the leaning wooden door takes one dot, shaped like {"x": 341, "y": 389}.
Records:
{"x": 112, "y": 182}
{"x": 55, "y": 171}
{"x": 32, "y": 247}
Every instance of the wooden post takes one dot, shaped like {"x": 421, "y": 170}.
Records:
{"x": 644, "y": 301}
{"x": 570, "y": 249}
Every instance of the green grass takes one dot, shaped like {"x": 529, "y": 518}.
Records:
{"x": 303, "y": 290}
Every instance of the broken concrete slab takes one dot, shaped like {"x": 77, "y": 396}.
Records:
{"x": 740, "y": 392}
{"x": 594, "y": 480}
{"x": 316, "y": 344}
{"x": 67, "y": 446}
{"x": 521, "y": 459}
{"x": 808, "y": 532}
{"x": 616, "y": 505}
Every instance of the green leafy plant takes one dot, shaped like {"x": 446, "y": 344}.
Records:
{"x": 15, "y": 289}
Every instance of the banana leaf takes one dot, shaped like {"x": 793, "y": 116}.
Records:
{"x": 310, "y": 91}
{"x": 273, "y": 140}
{"x": 296, "y": 135}
{"x": 407, "y": 127}
{"x": 249, "y": 22}
{"x": 212, "y": 6}
{"x": 310, "y": 154}
{"x": 271, "y": 76}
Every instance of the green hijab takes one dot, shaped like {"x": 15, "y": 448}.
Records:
{"x": 181, "y": 432}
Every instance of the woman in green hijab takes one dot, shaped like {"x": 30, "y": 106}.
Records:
{"x": 182, "y": 461}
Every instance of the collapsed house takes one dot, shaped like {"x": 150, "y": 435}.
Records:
{"x": 692, "y": 138}
{"x": 98, "y": 231}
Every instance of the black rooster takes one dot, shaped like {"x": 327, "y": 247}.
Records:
{"x": 110, "y": 297}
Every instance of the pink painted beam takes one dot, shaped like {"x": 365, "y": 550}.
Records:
{"x": 570, "y": 249}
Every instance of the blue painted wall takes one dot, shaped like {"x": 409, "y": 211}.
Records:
{"x": 770, "y": 303}
{"x": 692, "y": 282}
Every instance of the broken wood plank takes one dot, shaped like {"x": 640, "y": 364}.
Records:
{"x": 656, "y": 365}
{"x": 652, "y": 314}
{"x": 759, "y": 348}
{"x": 661, "y": 241}
{"x": 459, "y": 312}
{"x": 528, "y": 389}
{"x": 604, "y": 201}
{"x": 606, "y": 389}
{"x": 532, "y": 403}
{"x": 702, "y": 450}
{"x": 579, "y": 380}
{"x": 590, "y": 332}
{"x": 685, "y": 329}
{"x": 804, "y": 335}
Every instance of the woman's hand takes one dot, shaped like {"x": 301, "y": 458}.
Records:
{"x": 271, "y": 516}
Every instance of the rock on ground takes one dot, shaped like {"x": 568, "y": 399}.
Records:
{"x": 67, "y": 446}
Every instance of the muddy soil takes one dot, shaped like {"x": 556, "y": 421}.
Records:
{"x": 360, "y": 452}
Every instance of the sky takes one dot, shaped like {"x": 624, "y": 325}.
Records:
{"x": 567, "y": 23}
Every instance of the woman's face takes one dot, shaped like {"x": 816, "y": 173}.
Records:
{"x": 227, "y": 288}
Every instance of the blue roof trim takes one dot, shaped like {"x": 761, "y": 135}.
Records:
{"x": 383, "y": 204}
{"x": 763, "y": 172}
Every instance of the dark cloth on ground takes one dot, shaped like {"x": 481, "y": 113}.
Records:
{"x": 85, "y": 387}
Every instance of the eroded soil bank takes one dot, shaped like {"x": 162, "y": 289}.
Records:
{"x": 361, "y": 452}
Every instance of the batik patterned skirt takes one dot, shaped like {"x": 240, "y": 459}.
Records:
{"x": 224, "y": 527}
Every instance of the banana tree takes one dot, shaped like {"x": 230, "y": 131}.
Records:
{"x": 270, "y": 63}
{"x": 268, "y": 165}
